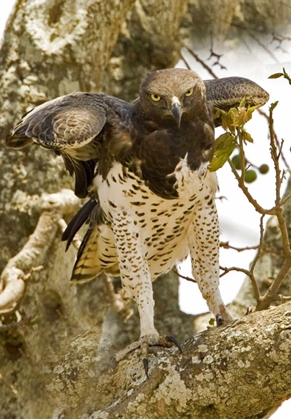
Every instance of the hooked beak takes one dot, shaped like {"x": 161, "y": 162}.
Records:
{"x": 176, "y": 110}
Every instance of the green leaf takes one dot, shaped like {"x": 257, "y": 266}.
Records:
{"x": 241, "y": 117}
{"x": 219, "y": 112}
{"x": 273, "y": 106}
{"x": 226, "y": 118}
{"x": 235, "y": 117}
{"x": 276, "y": 76}
{"x": 229, "y": 119}
{"x": 285, "y": 73}
{"x": 223, "y": 147}
{"x": 246, "y": 136}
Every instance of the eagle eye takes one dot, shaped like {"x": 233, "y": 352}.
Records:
{"x": 189, "y": 92}
{"x": 155, "y": 97}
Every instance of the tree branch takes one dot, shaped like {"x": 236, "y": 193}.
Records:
{"x": 218, "y": 371}
{"x": 19, "y": 268}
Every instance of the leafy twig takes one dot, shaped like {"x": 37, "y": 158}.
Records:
{"x": 282, "y": 156}
{"x": 246, "y": 192}
{"x": 267, "y": 298}
{"x": 276, "y": 153}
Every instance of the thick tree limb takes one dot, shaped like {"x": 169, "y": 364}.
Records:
{"x": 20, "y": 267}
{"x": 238, "y": 371}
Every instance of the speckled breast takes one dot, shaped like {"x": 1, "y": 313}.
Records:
{"x": 162, "y": 224}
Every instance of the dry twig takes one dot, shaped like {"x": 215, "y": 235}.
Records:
{"x": 277, "y": 211}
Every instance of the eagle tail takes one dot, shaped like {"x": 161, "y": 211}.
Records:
{"x": 96, "y": 253}
{"x": 87, "y": 265}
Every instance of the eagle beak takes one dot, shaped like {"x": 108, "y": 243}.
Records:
{"x": 176, "y": 110}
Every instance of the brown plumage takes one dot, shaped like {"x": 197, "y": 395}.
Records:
{"x": 146, "y": 165}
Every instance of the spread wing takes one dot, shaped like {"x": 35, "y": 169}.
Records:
{"x": 73, "y": 126}
{"x": 228, "y": 92}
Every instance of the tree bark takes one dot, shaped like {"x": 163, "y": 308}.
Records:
{"x": 55, "y": 360}
{"x": 237, "y": 371}
{"x": 52, "y": 48}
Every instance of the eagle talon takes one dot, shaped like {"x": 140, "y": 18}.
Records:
{"x": 146, "y": 366}
{"x": 163, "y": 341}
{"x": 172, "y": 339}
{"x": 144, "y": 343}
{"x": 219, "y": 320}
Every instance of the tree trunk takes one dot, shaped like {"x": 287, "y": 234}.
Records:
{"x": 55, "y": 361}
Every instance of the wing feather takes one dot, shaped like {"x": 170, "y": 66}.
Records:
{"x": 78, "y": 220}
{"x": 96, "y": 253}
{"x": 228, "y": 92}
{"x": 73, "y": 126}
{"x": 68, "y": 121}
{"x": 86, "y": 266}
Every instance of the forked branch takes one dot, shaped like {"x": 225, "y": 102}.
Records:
{"x": 30, "y": 258}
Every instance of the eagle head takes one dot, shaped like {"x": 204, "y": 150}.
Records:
{"x": 171, "y": 96}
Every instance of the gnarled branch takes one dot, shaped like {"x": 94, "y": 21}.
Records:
{"x": 31, "y": 256}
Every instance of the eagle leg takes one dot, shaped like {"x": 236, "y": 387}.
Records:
{"x": 137, "y": 283}
{"x": 203, "y": 240}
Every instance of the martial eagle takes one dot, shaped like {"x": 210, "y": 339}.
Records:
{"x": 144, "y": 166}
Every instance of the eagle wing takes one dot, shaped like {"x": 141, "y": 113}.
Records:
{"x": 71, "y": 125}
{"x": 228, "y": 92}
{"x": 74, "y": 125}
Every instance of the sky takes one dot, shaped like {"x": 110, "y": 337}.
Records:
{"x": 6, "y": 7}
{"x": 238, "y": 221}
